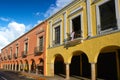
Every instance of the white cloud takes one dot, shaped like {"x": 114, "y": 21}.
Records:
{"x": 28, "y": 27}
{"x": 37, "y": 14}
{"x": 38, "y": 22}
{"x": 10, "y": 33}
{"x": 4, "y": 19}
{"x": 54, "y": 8}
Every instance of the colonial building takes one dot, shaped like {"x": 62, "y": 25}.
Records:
{"x": 80, "y": 40}
{"x": 83, "y": 39}
{"x": 27, "y": 53}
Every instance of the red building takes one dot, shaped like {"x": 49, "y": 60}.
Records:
{"x": 27, "y": 53}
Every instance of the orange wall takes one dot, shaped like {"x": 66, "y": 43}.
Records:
{"x": 32, "y": 43}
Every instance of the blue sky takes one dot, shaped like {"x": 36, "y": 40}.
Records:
{"x": 19, "y": 16}
{"x": 24, "y": 11}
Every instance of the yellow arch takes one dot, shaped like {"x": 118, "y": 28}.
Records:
{"x": 54, "y": 56}
{"x": 77, "y": 52}
{"x": 107, "y": 47}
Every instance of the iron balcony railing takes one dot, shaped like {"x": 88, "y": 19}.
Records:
{"x": 38, "y": 50}
{"x": 74, "y": 40}
{"x": 1, "y": 58}
{"x": 5, "y": 58}
{"x": 15, "y": 55}
{"x": 56, "y": 42}
{"x": 24, "y": 54}
{"x": 9, "y": 57}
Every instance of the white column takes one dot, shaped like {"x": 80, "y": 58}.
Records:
{"x": 29, "y": 68}
{"x": 19, "y": 67}
{"x": 93, "y": 71}
{"x": 67, "y": 71}
{"x": 23, "y": 67}
{"x": 36, "y": 70}
{"x": 12, "y": 66}
{"x": 15, "y": 67}
{"x": 6, "y": 66}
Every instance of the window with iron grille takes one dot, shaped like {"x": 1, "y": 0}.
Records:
{"x": 26, "y": 47}
{"x": 41, "y": 43}
{"x": 107, "y": 15}
{"x": 11, "y": 52}
{"x": 57, "y": 35}
{"x": 16, "y": 51}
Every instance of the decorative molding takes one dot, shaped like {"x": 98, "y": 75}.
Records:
{"x": 75, "y": 11}
{"x": 40, "y": 31}
{"x": 57, "y": 21}
{"x": 26, "y": 38}
{"x": 17, "y": 44}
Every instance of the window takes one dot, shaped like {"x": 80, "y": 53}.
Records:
{"x": 26, "y": 47}
{"x": 11, "y": 52}
{"x": 16, "y": 51}
{"x": 76, "y": 26}
{"x": 57, "y": 35}
{"x": 6, "y": 53}
{"x": 107, "y": 16}
{"x": 41, "y": 43}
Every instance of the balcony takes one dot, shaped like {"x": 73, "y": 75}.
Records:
{"x": 9, "y": 57}
{"x": 72, "y": 41}
{"x": 56, "y": 43}
{"x": 1, "y": 59}
{"x": 24, "y": 54}
{"x": 5, "y": 58}
{"x": 38, "y": 50}
{"x": 15, "y": 55}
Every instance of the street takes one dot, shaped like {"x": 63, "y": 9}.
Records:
{"x": 10, "y": 75}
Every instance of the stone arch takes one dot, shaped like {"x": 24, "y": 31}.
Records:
{"x": 33, "y": 66}
{"x": 79, "y": 64}
{"x": 17, "y": 65}
{"x": 77, "y": 52}
{"x": 54, "y": 56}
{"x": 59, "y": 66}
{"x": 21, "y": 65}
{"x": 109, "y": 58}
{"x": 40, "y": 66}
{"x": 13, "y": 65}
{"x": 107, "y": 48}
{"x": 26, "y": 65}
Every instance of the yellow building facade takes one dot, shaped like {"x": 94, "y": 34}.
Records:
{"x": 83, "y": 39}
